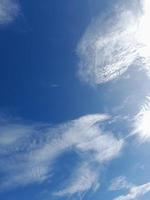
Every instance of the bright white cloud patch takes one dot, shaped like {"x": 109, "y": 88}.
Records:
{"x": 35, "y": 149}
{"x": 142, "y": 123}
{"x": 135, "y": 192}
{"x": 9, "y": 10}
{"x": 112, "y": 44}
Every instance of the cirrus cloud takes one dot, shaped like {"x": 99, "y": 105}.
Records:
{"x": 35, "y": 148}
{"x": 9, "y": 9}
{"x": 135, "y": 192}
{"x": 141, "y": 122}
{"x": 111, "y": 44}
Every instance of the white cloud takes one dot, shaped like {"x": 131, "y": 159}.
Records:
{"x": 35, "y": 148}
{"x": 9, "y": 10}
{"x": 100, "y": 149}
{"x": 11, "y": 133}
{"x": 111, "y": 44}
{"x": 142, "y": 123}
{"x": 105, "y": 147}
{"x": 119, "y": 183}
{"x": 82, "y": 180}
{"x": 135, "y": 192}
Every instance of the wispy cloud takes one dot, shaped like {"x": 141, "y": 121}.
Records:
{"x": 11, "y": 133}
{"x": 112, "y": 43}
{"x": 142, "y": 122}
{"x": 35, "y": 148}
{"x": 9, "y": 9}
{"x": 120, "y": 183}
{"x": 82, "y": 180}
{"x": 135, "y": 192}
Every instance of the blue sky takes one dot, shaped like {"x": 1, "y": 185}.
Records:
{"x": 74, "y": 100}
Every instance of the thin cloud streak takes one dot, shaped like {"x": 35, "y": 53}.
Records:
{"x": 136, "y": 192}
{"x": 84, "y": 179}
{"x": 119, "y": 183}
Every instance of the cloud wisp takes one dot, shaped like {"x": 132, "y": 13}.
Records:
{"x": 120, "y": 183}
{"x": 9, "y": 9}
{"x": 111, "y": 44}
{"x": 141, "y": 123}
{"x": 82, "y": 180}
{"x": 36, "y": 148}
{"x": 136, "y": 192}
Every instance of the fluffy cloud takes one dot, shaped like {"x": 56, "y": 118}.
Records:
{"x": 35, "y": 148}
{"x": 113, "y": 43}
{"x": 135, "y": 192}
{"x": 9, "y": 10}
